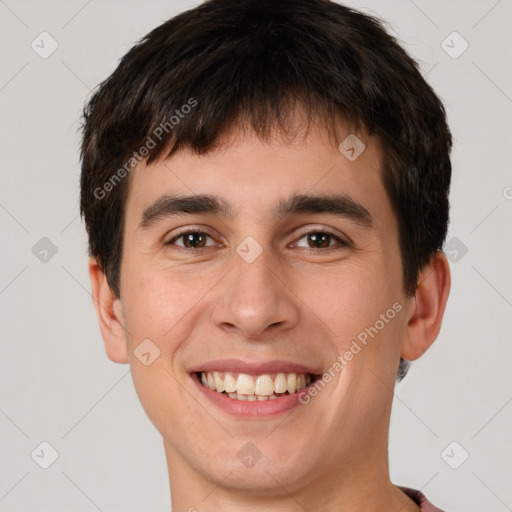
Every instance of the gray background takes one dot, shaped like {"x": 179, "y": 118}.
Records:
{"x": 57, "y": 384}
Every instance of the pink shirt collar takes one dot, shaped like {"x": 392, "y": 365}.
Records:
{"x": 419, "y": 498}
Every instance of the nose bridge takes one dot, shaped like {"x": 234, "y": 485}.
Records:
{"x": 253, "y": 296}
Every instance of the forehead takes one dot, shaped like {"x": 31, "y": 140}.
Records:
{"x": 253, "y": 177}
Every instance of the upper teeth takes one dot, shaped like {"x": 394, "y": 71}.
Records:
{"x": 261, "y": 385}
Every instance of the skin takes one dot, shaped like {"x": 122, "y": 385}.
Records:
{"x": 296, "y": 302}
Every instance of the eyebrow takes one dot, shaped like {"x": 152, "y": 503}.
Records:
{"x": 339, "y": 205}
{"x": 168, "y": 206}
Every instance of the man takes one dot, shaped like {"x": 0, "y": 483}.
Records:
{"x": 265, "y": 190}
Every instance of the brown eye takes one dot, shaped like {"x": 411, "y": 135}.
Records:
{"x": 321, "y": 240}
{"x": 190, "y": 240}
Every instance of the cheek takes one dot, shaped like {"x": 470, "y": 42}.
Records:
{"x": 159, "y": 311}
{"x": 363, "y": 309}
{"x": 158, "y": 300}
{"x": 351, "y": 298}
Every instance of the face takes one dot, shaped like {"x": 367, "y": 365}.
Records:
{"x": 270, "y": 293}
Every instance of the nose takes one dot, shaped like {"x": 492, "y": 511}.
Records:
{"x": 256, "y": 299}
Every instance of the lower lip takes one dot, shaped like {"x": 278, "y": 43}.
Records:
{"x": 253, "y": 409}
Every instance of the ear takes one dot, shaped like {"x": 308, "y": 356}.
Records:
{"x": 426, "y": 309}
{"x": 108, "y": 309}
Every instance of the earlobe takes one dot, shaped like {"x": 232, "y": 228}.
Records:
{"x": 108, "y": 309}
{"x": 427, "y": 307}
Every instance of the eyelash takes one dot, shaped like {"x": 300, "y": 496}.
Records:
{"x": 342, "y": 243}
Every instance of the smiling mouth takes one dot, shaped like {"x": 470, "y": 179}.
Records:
{"x": 245, "y": 387}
